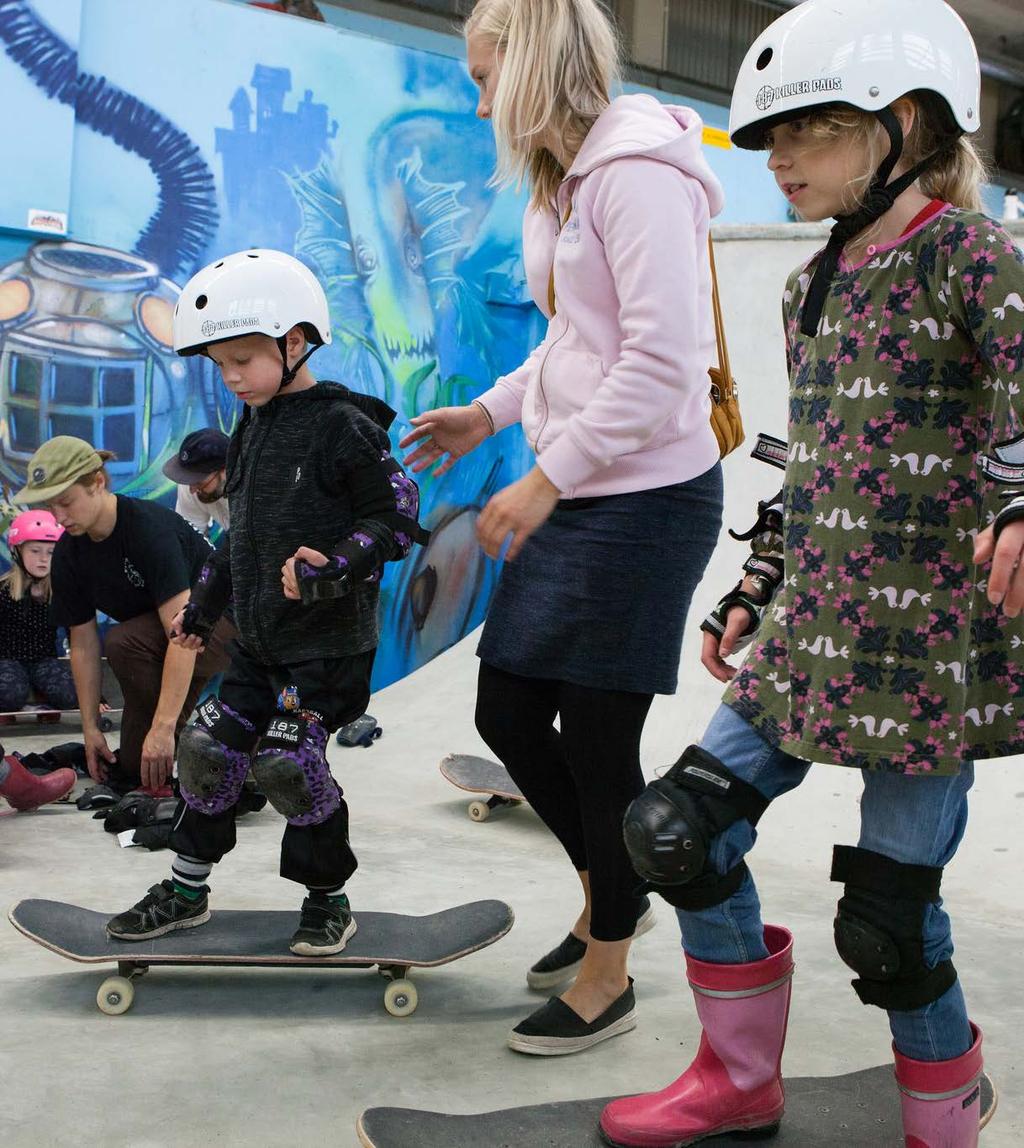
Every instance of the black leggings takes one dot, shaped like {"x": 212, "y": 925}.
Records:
{"x": 579, "y": 780}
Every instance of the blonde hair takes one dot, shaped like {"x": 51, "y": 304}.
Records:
{"x": 956, "y": 177}
{"x": 18, "y": 582}
{"x": 560, "y": 63}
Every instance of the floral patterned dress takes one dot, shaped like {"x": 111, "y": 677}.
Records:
{"x": 881, "y": 650}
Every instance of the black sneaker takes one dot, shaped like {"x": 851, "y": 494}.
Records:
{"x": 324, "y": 927}
{"x": 556, "y": 1030}
{"x": 564, "y": 960}
{"x": 162, "y": 910}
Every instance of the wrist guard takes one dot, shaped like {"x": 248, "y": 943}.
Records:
{"x": 355, "y": 559}
{"x": 1013, "y": 511}
{"x": 195, "y": 621}
{"x": 764, "y": 569}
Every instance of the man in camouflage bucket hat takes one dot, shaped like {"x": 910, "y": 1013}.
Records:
{"x": 55, "y": 466}
{"x": 135, "y": 561}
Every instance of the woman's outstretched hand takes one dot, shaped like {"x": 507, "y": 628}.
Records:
{"x": 444, "y": 434}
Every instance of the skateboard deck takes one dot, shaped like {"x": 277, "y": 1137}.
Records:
{"x": 393, "y": 942}
{"x": 479, "y": 775}
{"x": 859, "y": 1110}
{"x": 110, "y": 691}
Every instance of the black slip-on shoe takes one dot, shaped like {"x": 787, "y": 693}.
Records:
{"x": 556, "y": 1030}
{"x": 564, "y": 960}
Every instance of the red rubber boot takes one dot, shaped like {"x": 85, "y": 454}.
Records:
{"x": 26, "y": 791}
{"x": 941, "y": 1099}
{"x": 735, "y": 1082}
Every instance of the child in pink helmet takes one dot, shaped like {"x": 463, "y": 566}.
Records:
{"x": 28, "y": 639}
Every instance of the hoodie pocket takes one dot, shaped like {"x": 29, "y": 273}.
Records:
{"x": 565, "y": 382}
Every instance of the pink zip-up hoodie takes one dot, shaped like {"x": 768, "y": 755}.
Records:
{"x": 616, "y": 397}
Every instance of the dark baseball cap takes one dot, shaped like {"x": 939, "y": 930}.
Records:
{"x": 201, "y": 453}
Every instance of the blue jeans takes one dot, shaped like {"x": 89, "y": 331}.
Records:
{"x": 917, "y": 820}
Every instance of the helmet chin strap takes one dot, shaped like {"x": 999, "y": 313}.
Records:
{"x": 288, "y": 373}
{"x": 880, "y": 197}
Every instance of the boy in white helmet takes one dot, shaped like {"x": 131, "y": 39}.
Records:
{"x": 317, "y": 507}
{"x": 893, "y": 554}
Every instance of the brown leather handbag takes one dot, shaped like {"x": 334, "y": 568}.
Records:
{"x": 726, "y": 420}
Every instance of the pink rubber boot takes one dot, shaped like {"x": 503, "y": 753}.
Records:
{"x": 735, "y": 1081}
{"x": 25, "y": 791}
{"x": 941, "y": 1099}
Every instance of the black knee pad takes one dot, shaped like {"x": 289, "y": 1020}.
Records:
{"x": 213, "y": 757}
{"x": 879, "y": 929}
{"x": 669, "y": 829}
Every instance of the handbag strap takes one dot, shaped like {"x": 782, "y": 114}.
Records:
{"x": 716, "y": 307}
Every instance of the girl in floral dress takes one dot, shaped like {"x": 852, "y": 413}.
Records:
{"x": 883, "y": 593}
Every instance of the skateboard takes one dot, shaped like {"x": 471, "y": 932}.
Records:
{"x": 392, "y": 942}
{"x": 478, "y": 775}
{"x": 859, "y": 1110}
{"x": 110, "y": 691}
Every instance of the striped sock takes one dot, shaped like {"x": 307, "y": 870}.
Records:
{"x": 189, "y": 875}
{"x": 334, "y": 892}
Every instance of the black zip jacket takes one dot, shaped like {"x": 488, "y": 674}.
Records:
{"x": 305, "y": 470}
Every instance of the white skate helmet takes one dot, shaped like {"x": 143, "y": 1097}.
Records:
{"x": 864, "y": 53}
{"x": 257, "y": 292}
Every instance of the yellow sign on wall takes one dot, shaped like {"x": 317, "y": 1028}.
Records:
{"x": 716, "y": 137}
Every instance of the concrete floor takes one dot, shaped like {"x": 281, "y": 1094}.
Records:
{"x": 250, "y": 1057}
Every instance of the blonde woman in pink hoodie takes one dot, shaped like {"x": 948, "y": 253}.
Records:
{"x": 611, "y": 529}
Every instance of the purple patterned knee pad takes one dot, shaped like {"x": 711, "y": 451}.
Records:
{"x": 214, "y": 755}
{"x": 291, "y": 768}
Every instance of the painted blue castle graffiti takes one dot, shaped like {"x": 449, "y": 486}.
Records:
{"x": 258, "y": 157}
{"x": 377, "y": 177}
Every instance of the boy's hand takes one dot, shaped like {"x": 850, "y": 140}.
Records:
{"x": 1006, "y": 578}
{"x": 181, "y": 635}
{"x": 289, "y": 579}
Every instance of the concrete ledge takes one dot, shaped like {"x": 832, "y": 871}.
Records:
{"x": 739, "y": 232}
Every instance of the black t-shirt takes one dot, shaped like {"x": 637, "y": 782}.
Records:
{"x": 151, "y": 555}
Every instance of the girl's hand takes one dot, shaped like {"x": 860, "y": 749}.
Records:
{"x": 715, "y": 650}
{"x": 451, "y": 431}
{"x": 519, "y": 510}
{"x": 1006, "y": 578}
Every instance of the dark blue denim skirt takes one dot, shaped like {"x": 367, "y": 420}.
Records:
{"x": 599, "y": 595}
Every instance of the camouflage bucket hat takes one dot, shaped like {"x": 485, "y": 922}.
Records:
{"x": 55, "y": 466}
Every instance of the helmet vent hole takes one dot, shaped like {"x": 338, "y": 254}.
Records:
{"x": 251, "y": 255}
{"x": 220, "y": 264}
{"x": 765, "y": 59}
{"x": 201, "y": 301}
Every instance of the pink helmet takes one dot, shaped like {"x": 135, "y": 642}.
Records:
{"x": 33, "y": 526}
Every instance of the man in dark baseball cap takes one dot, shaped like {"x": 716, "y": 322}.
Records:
{"x": 199, "y": 470}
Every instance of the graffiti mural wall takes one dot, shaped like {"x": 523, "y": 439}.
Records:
{"x": 204, "y": 128}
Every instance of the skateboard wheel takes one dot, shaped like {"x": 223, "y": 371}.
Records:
{"x": 106, "y": 724}
{"x": 479, "y": 810}
{"x": 401, "y": 998}
{"x": 115, "y": 995}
